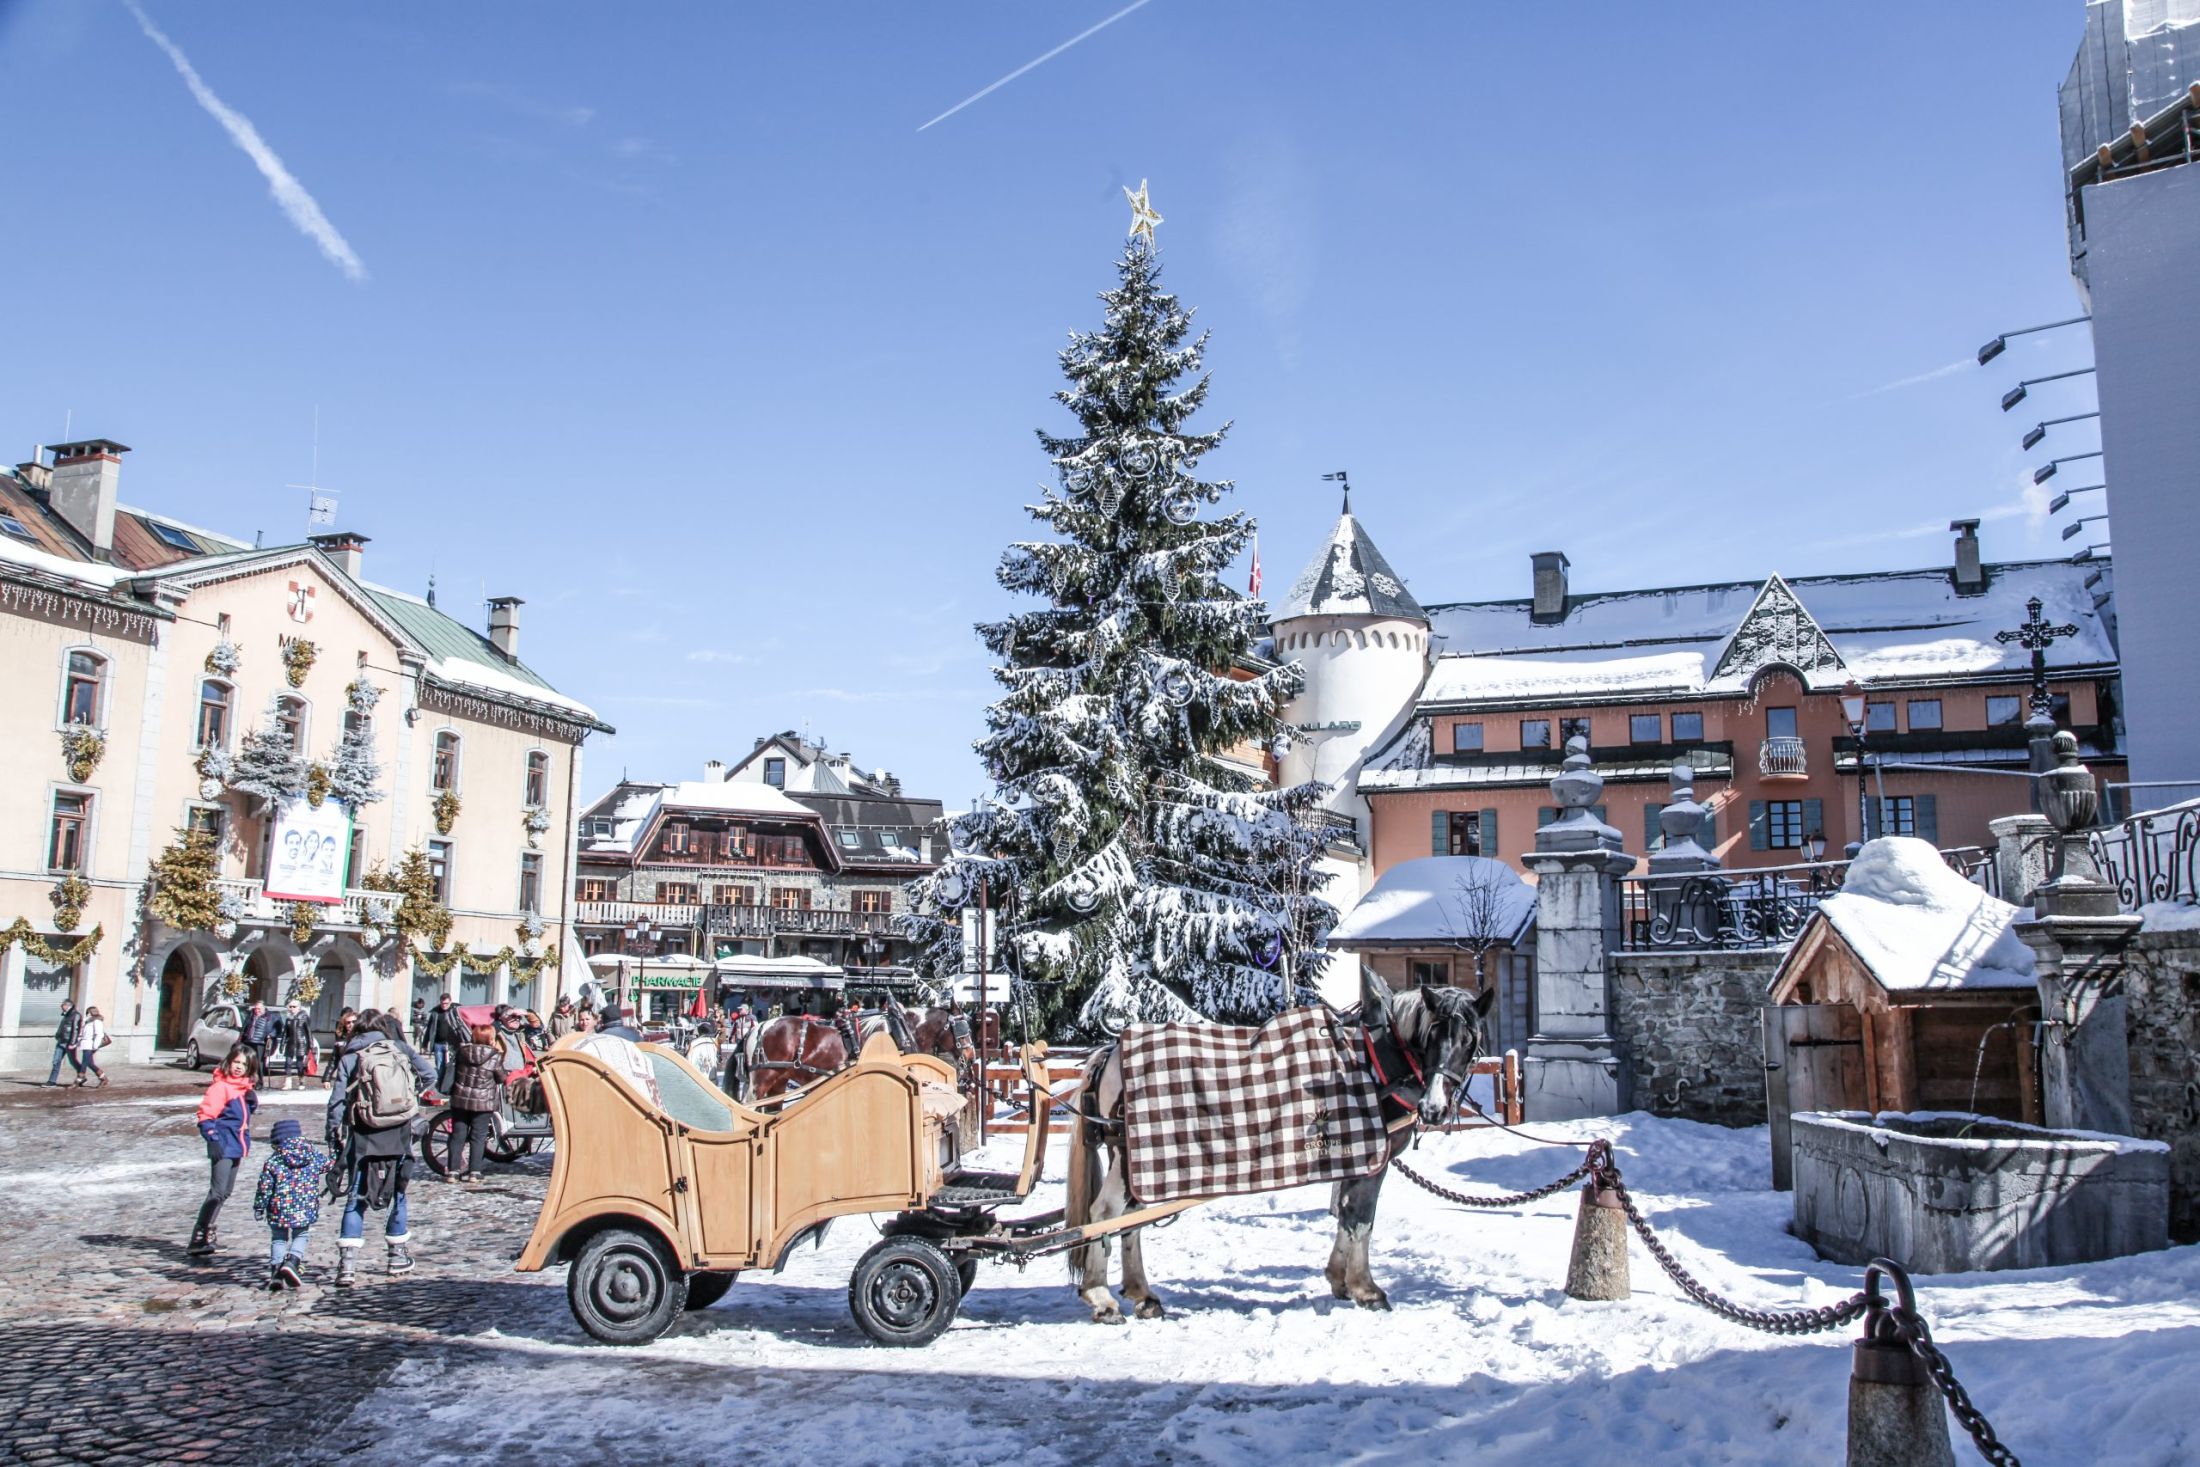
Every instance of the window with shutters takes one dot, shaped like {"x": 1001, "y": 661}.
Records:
{"x": 1466, "y": 738}
{"x": 1784, "y": 824}
{"x": 595, "y": 889}
{"x": 677, "y": 893}
{"x": 791, "y": 898}
{"x": 676, "y": 839}
{"x": 873, "y": 900}
{"x": 1464, "y": 837}
{"x": 1894, "y": 815}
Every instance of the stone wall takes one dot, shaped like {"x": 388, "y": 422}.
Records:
{"x": 2162, "y": 982}
{"x": 1688, "y": 1024}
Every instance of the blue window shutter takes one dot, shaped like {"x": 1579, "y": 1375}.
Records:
{"x": 1489, "y": 833}
{"x": 1544, "y": 815}
{"x": 1603, "y": 813}
{"x": 1928, "y": 819}
{"x": 1650, "y": 835}
{"x": 1709, "y": 839}
{"x": 1760, "y": 835}
{"x": 1439, "y": 833}
{"x": 1814, "y": 816}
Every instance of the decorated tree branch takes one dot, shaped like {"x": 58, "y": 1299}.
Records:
{"x": 354, "y": 774}
{"x": 184, "y": 893}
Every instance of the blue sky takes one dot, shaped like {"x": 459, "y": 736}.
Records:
{"x": 674, "y": 322}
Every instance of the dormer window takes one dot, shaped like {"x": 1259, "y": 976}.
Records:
{"x": 775, "y": 773}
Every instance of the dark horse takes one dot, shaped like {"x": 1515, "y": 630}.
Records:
{"x": 795, "y": 1049}
{"x": 1419, "y": 1047}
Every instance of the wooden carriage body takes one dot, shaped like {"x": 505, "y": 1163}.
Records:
{"x": 726, "y": 1187}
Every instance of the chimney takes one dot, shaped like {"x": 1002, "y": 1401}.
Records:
{"x": 1969, "y": 576}
{"x": 1550, "y": 587}
{"x": 344, "y": 547}
{"x": 86, "y": 476}
{"x": 714, "y": 771}
{"x": 37, "y": 475}
{"x": 504, "y": 624}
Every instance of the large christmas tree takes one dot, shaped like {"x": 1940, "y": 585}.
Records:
{"x": 1137, "y": 873}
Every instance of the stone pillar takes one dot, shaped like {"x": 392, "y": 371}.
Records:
{"x": 2078, "y": 940}
{"x": 1576, "y": 1068}
{"x": 2021, "y": 845}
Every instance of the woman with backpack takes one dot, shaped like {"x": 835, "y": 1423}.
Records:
{"x": 225, "y": 1123}
{"x": 374, "y": 1093}
{"x": 477, "y": 1089}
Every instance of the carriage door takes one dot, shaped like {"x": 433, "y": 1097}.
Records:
{"x": 1814, "y": 1060}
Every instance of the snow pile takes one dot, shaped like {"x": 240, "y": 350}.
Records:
{"x": 1441, "y": 900}
{"x": 1915, "y": 923}
{"x": 2169, "y": 917}
{"x": 1484, "y": 1360}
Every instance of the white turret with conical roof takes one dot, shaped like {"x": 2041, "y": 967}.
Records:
{"x": 1364, "y": 642}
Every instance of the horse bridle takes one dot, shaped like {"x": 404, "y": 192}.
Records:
{"x": 1403, "y": 1080}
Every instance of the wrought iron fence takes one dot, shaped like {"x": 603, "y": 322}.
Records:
{"x": 1762, "y": 908}
{"x": 2152, "y": 857}
{"x": 1979, "y": 865}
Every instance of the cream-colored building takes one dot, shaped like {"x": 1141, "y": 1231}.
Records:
{"x": 157, "y": 649}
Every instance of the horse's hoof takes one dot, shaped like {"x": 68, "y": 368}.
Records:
{"x": 1151, "y": 1309}
{"x": 1377, "y": 1300}
{"x": 1107, "y": 1316}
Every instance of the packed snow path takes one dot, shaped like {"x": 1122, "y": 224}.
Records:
{"x": 1483, "y": 1360}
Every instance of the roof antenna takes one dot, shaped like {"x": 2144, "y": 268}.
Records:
{"x": 320, "y": 503}
{"x": 1341, "y": 478}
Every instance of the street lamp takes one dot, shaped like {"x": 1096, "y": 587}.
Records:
{"x": 2000, "y": 344}
{"x": 2070, "y": 531}
{"x": 2016, "y": 394}
{"x": 2039, "y": 430}
{"x": 2046, "y": 470}
{"x": 2061, "y": 501}
{"x": 2088, "y": 555}
{"x": 1852, "y": 708}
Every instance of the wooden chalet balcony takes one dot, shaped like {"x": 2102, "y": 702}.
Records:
{"x": 726, "y": 920}
{"x": 1783, "y": 757}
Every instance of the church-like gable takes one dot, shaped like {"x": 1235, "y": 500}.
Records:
{"x": 1777, "y": 630}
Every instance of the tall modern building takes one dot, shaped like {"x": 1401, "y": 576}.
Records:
{"x": 2130, "y": 133}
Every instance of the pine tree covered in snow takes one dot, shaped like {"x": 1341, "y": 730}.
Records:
{"x": 354, "y": 776}
{"x": 1140, "y": 873}
{"x": 266, "y": 766}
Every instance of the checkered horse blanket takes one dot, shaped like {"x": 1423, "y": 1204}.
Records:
{"x": 1210, "y": 1110}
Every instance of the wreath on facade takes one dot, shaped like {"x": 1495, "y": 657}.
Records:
{"x": 21, "y": 931}
{"x": 535, "y": 822}
{"x": 233, "y": 982}
{"x": 304, "y": 917}
{"x": 224, "y": 659}
{"x": 68, "y": 896}
{"x": 83, "y": 748}
{"x": 318, "y": 784}
{"x": 184, "y": 892}
{"x": 447, "y": 807}
{"x": 298, "y": 655}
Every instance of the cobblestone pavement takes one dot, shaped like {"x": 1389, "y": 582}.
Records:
{"x": 118, "y": 1348}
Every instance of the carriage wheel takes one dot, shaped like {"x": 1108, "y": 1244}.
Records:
{"x": 508, "y": 1149}
{"x": 435, "y": 1144}
{"x": 623, "y": 1288}
{"x": 904, "y": 1292}
{"x": 706, "y": 1289}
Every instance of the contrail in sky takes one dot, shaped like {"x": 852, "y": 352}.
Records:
{"x": 289, "y": 194}
{"x": 1934, "y": 375}
{"x": 1039, "y": 61}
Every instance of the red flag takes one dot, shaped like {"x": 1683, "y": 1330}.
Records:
{"x": 1254, "y": 588}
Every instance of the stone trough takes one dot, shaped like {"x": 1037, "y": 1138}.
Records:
{"x": 1940, "y": 1192}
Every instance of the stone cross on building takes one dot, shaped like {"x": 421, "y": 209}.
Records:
{"x": 2036, "y": 636}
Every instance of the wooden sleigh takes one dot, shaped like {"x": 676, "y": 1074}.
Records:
{"x": 659, "y": 1207}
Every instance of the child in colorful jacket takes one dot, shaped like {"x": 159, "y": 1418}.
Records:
{"x": 289, "y": 1198}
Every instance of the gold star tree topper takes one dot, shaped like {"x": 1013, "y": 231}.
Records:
{"x": 1143, "y": 217}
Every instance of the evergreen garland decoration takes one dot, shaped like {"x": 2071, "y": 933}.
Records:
{"x": 83, "y": 748}
{"x": 298, "y": 658}
{"x": 354, "y": 775}
{"x": 68, "y": 897}
{"x": 317, "y": 783}
{"x": 446, "y": 811}
{"x": 304, "y": 917}
{"x": 184, "y": 894}
{"x": 266, "y": 767}
{"x": 1138, "y": 875}
{"x": 418, "y": 913}
{"x": 21, "y": 931}
{"x": 224, "y": 659}
{"x": 524, "y": 969}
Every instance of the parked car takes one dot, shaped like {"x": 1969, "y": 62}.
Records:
{"x": 219, "y": 1028}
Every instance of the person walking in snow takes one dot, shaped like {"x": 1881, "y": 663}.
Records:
{"x": 90, "y": 1042}
{"x": 373, "y": 1096}
{"x": 225, "y": 1123}
{"x": 65, "y": 1036}
{"x": 288, "y": 1198}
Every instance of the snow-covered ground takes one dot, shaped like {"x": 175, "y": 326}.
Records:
{"x": 1484, "y": 1358}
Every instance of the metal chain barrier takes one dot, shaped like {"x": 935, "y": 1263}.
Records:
{"x": 1899, "y": 1323}
{"x": 1508, "y": 1199}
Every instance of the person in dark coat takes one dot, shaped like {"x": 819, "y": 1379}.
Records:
{"x": 373, "y": 1160}
{"x": 294, "y": 1038}
{"x": 65, "y": 1037}
{"x": 446, "y": 1032}
{"x": 264, "y": 1032}
{"x": 477, "y": 1089}
{"x": 619, "y": 1022}
{"x": 225, "y": 1124}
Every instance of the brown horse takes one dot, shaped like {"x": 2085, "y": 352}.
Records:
{"x": 796, "y": 1049}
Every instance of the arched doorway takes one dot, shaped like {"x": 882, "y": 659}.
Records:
{"x": 339, "y": 975}
{"x": 179, "y": 999}
{"x": 267, "y": 974}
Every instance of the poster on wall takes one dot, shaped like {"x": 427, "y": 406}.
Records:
{"x": 309, "y": 855}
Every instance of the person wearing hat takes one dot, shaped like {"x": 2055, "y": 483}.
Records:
{"x": 620, "y": 1023}
{"x": 289, "y": 1199}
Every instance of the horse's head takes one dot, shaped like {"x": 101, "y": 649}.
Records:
{"x": 1443, "y": 1029}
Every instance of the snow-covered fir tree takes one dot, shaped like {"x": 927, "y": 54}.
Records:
{"x": 1138, "y": 873}
{"x": 265, "y": 765}
{"x": 354, "y": 775}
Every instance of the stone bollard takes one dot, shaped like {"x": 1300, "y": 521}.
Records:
{"x": 1896, "y": 1417}
{"x": 1598, "y": 1269}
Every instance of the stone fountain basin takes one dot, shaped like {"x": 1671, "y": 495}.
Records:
{"x": 1946, "y": 1192}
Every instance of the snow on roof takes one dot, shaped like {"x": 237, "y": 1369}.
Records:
{"x": 1892, "y": 625}
{"x": 1917, "y": 924}
{"x": 793, "y": 966}
{"x": 495, "y": 680}
{"x": 1464, "y": 678}
{"x": 737, "y": 796}
{"x": 1439, "y": 899}
{"x": 1348, "y": 577}
{"x": 102, "y": 577}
